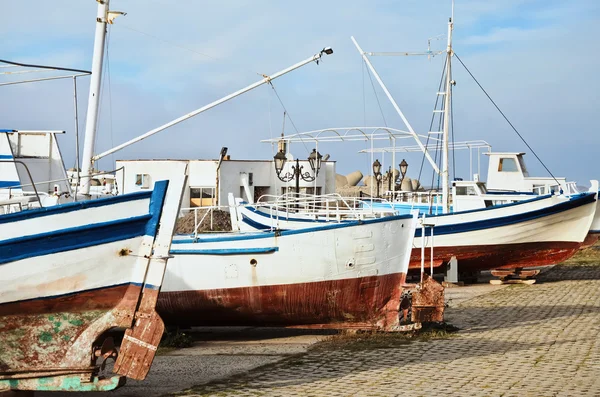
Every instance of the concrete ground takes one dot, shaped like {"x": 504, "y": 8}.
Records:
{"x": 518, "y": 340}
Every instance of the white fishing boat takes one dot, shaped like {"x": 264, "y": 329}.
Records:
{"x": 71, "y": 272}
{"x": 537, "y": 231}
{"x": 508, "y": 174}
{"x": 349, "y": 274}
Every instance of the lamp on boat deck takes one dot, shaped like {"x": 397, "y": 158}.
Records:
{"x": 403, "y": 168}
{"x": 377, "y": 173}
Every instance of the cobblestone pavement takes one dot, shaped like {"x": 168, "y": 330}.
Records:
{"x": 538, "y": 340}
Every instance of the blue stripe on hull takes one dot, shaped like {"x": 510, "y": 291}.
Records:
{"x": 75, "y": 206}
{"x": 7, "y": 184}
{"x": 72, "y": 238}
{"x": 284, "y": 218}
{"x": 282, "y": 232}
{"x": 225, "y": 251}
{"x": 511, "y": 219}
{"x": 256, "y": 225}
{"x": 69, "y": 239}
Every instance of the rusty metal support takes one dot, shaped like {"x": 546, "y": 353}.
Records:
{"x": 428, "y": 301}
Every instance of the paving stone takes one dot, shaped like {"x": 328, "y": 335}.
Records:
{"x": 538, "y": 340}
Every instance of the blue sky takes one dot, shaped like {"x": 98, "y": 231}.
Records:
{"x": 537, "y": 59}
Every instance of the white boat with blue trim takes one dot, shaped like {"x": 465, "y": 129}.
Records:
{"x": 74, "y": 269}
{"x": 538, "y": 231}
{"x": 71, "y": 273}
{"x": 348, "y": 274}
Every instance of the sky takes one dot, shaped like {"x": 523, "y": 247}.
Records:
{"x": 537, "y": 59}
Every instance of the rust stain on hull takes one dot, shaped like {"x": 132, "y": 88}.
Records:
{"x": 501, "y": 256}
{"x": 368, "y": 302}
{"x": 590, "y": 239}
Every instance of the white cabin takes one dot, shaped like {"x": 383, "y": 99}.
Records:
{"x": 28, "y": 159}
{"x": 507, "y": 172}
{"x": 209, "y": 184}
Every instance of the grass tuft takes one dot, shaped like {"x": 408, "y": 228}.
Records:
{"x": 363, "y": 340}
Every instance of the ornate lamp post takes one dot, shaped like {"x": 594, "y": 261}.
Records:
{"x": 315, "y": 164}
{"x": 403, "y": 168}
{"x": 377, "y": 173}
{"x": 389, "y": 175}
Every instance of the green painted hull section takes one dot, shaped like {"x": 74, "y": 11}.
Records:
{"x": 63, "y": 383}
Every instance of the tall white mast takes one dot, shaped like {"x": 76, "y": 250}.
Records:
{"x": 445, "y": 173}
{"x": 94, "y": 97}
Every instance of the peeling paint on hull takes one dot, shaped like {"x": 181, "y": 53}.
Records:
{"x": 502, "y": 256}
{"x": 370, "y": 302}
{"x": 50, "y": 340}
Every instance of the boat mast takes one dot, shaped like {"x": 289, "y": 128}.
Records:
{"x": 94, "y": 96}
{"x": 447, "y": 102}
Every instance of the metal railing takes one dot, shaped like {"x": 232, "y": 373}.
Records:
{"x": 208, "y": 212}
{"x": 432, "y": 199}
{"x": 330, "y": 207}
{"x": 11, "y": 189}
{"x": 30, "y": 179}
{"x": 326, "y": 206}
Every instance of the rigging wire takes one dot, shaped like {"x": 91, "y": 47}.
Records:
{"x": 506, "y": 118}
{"x": 438, "y": 147}
{"x": 168, "y": 42}
{"x": 104, "y": 72}
{"x": 437, "y": 98}
{"x": 364, "y": 94}
{"x": 377, "y": 98}
{"x": 452, "y": 134}
{"x": 182, "y": 47}
{"x": 110, "y": 114}
{"x": 45, "y": 67}
{"x": 288, "y": 116}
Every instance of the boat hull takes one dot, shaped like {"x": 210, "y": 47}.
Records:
{"x": 367, "y": 302}
{"x": 500, "y": 256}
{"x": 543, "y": 236}
{"x": 339, "y": 275}
{"x": 73, "y": 272}
{"x": 540, "y": 231}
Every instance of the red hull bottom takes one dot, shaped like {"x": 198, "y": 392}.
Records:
{"x": 501, "y": 256}
{"x": 366, "y": 302}
{"x": 590, "y": 239}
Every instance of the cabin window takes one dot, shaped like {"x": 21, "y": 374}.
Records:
{"x": 465, "y": 191}
{"x": 202, "y": 196}
{"x": 508, "y": 165}
{"x": 142, "y": 181}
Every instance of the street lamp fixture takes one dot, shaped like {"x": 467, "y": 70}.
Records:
{"x": 377, "y": 173}
{"x": 315, "y": 164}
{"x": 315, "y": 161}
{"x": 403, "y": 168}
